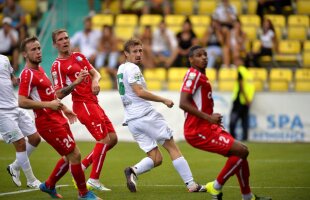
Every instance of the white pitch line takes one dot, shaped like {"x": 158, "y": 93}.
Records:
{"x": 28, "y": 190}
{"x": 257, "y": 187}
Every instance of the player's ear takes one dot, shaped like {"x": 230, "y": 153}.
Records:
{"x": 126, "y": 53}
{"x": 24, "y": 54}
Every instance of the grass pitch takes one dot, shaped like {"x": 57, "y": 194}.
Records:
{"x": 281, "y": 171}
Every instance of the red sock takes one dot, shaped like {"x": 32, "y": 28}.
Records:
{"x": 232, "y": 165}
{"x": 79, "y": 177}
{"x": 59, "y": 171}
{"x": 88, "y": 160}
{"x": 243, "y": 175}
{"x": 100, "y": 151}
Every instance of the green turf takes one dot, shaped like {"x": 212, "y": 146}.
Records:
{"x": 281, "y": 171}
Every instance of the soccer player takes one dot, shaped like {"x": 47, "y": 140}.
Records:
{"x": 65, "y": 70}
{"x": 36, "y": 92}
{"x": 15, "y": 126}
{"x": 203, "y": 128}
{"x": 147, "y": 126}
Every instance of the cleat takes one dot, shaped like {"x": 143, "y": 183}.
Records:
{"x": 15, "y": 175}
{"x": 96, "y": 185}
{"x": 131, "y": 179}
{"x": 254, "y": 197}
{"x": 89, "y": 196}
{"x": 196, "y": 188}
{"x": 51, "y": 192}
{"x": 35, "y": 184}
{"x": 216, "y": 194}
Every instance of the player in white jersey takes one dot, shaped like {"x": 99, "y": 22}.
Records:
{"x": 147, "y": 126}
{"x": 15, "y": 125}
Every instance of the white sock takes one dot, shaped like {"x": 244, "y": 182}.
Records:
{"x": 181, "y": 165}
{"x": 247, "y": 196}
{"x": 29, "y": 175}
{"x": 146, "y": 164}
{"x": 29, "y": 149}
{"x": 217, "y": 186}
{"x": 23, "y": 162}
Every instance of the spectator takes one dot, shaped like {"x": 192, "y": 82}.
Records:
{"x": 16, "y": 13}
{"x": 268, "y": 39}
{"x": 164, "y": 46}
{"x": 226, "y": 14}
{"x": 107, "y": 48}
{"x": 237, "y": 39}
{"x": 132, "y": 6}
{"x": 277, "y": 5}
{"x": 213, "y": 39}
{"x": 9, "y": 41}
{"x": 186, "y": 38}
{"x": 146, "y": 38}
{"x": 161, "y": 7}
{"x": 243, "y": 95}
{"x": 86, "y": 41}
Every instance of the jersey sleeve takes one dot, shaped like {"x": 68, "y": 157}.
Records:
{"x": 25, "y": 83}
{"x": 83, "y": 61}
{"x": 190, "y": 82}
{"x": 58, "y": 76}
{"x": 134, "y": 75}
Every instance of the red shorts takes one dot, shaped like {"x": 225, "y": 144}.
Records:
{"x": 211, "y": 138}
{"x": 94, "y": 118}
{"x": 60, "y": 138}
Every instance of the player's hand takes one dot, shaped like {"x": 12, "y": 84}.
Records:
{"x": 55, "y": 104}
{"x": 95, "y": 88}
{"x": 168, "y": 103}
{"x": 83, "y": 74}
{"x": 216, "y": 118}
{"x": 15, "y": 81}
{"x": 70, "y": 115}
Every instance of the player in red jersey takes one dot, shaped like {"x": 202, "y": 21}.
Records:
{"x": 65, "y": 70}
{"x": 36, "y": 92}
{"x": 203, "y": 128}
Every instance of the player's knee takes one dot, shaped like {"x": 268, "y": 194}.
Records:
{"x": 113, "y": 140}
{"x": 245, "y": 152}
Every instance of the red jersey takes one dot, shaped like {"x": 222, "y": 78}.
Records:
{"x": 65, "y": 71}
{"x": 35, "y": 84}
{"x": 197, "y": 84}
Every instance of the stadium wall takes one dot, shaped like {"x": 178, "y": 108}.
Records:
{"x": 274, "y": 117}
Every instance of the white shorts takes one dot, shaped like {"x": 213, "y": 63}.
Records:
{"x": 150, "y": 130}
{"x": 15, "y": 124}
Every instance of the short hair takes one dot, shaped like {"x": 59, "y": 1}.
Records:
{"x": 26, "y": 41}
{"x": 57, "y": 32}
{"x": 131, "y": 42}
{"x": 193, "y": 49}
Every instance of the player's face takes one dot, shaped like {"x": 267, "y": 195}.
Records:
{"x": 33, "y": 53}
{"x": 62, "y": 42}
{"x": 199, "y": 59}
{"x": 135, "y": 54}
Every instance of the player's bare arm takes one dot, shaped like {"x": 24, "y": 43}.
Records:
{"x": 185, "y": 104}
{"x": 144, "y": 94}
{"x": 69, "y": 114}
{"x": 95, "y": 81}
{"x": 27, "y": 103}
{"x": 63, "y": 92}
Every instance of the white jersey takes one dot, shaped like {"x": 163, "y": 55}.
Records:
{"x": 7, "y": 98}
{"x": 135, "y": 107}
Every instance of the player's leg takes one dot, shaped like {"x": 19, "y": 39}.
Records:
{"x": 138, "y": 129}
{"x": 93, "y": 117}
{"x": 181, "y": 166}
{"x": 153, "y": 159}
